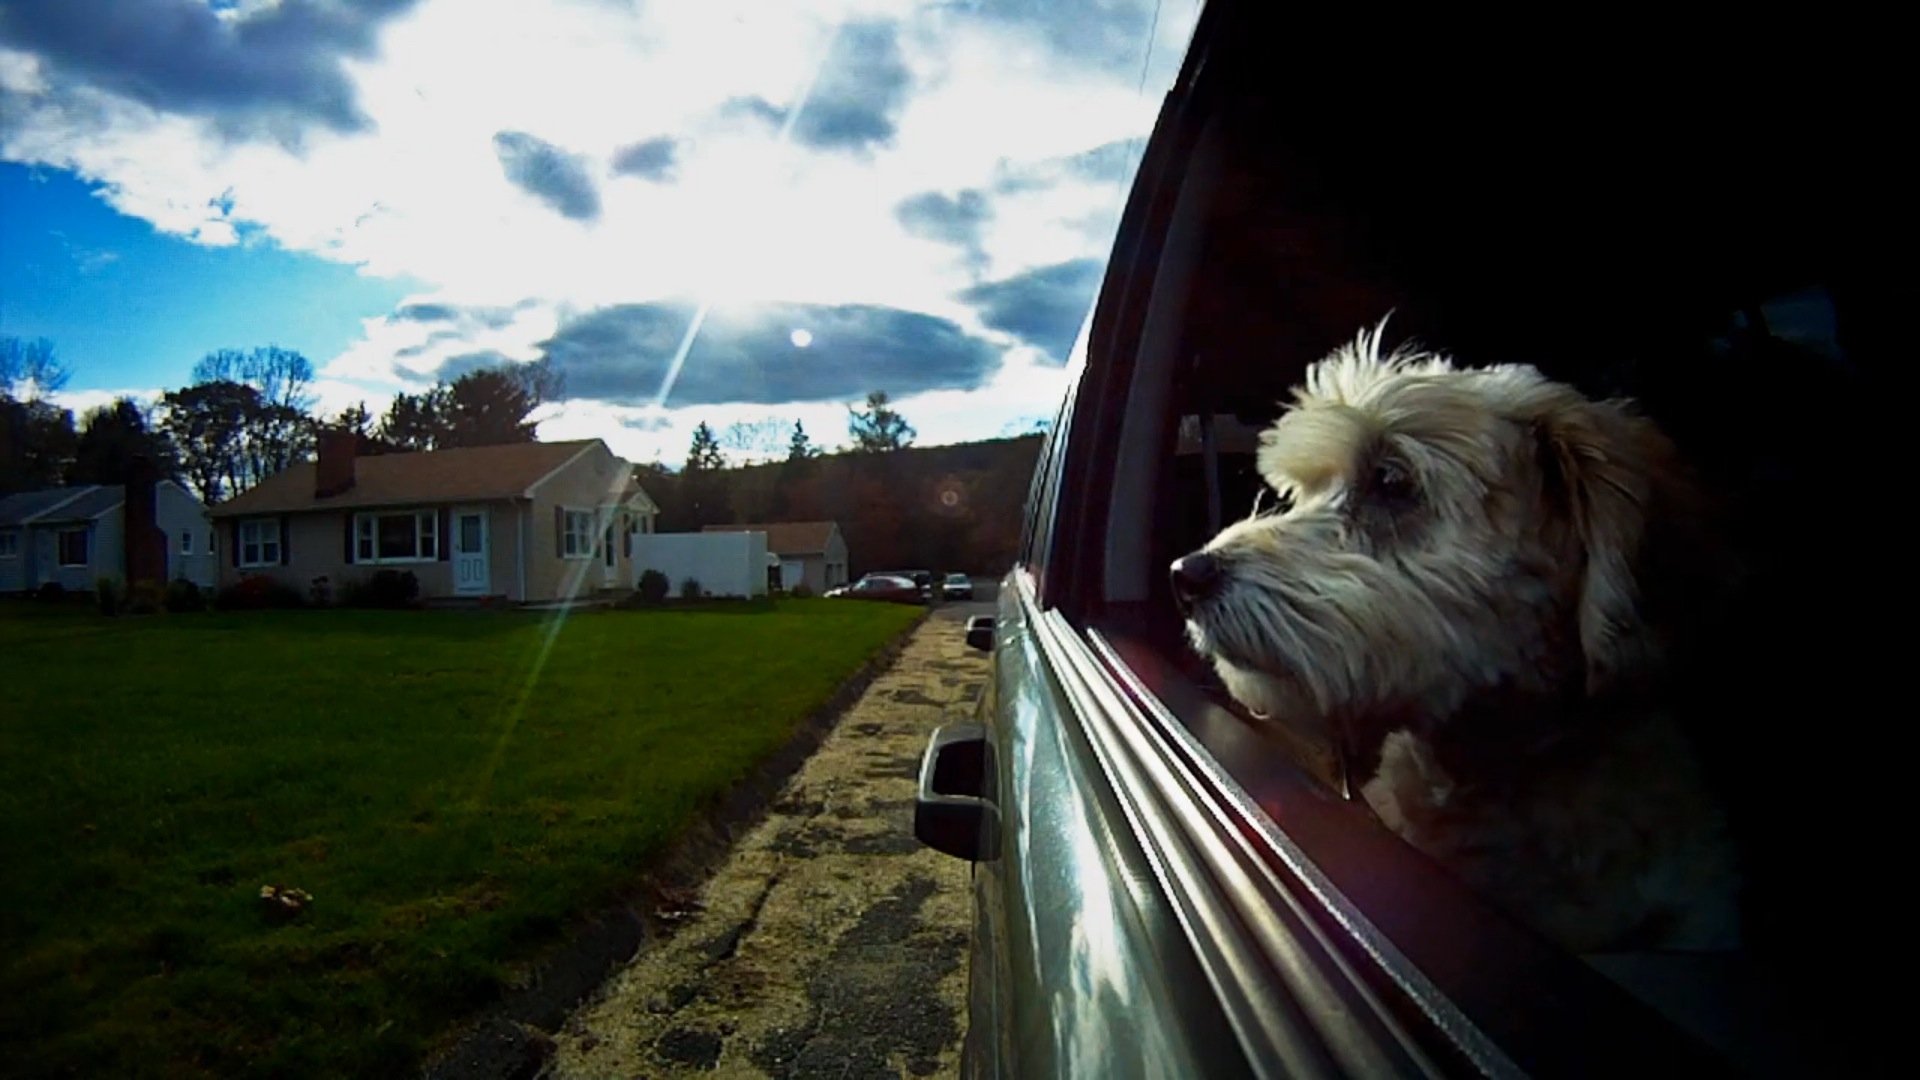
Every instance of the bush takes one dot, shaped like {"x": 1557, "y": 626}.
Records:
{"x": 393, "y": 589}
{"x": 256, "y": 593}
{"x": 653, "y": 586}
{"x": 106, "y": 593}
{"x": 690, "y": 589}
{"x": 51, "y": 590}
{"x": 802, "y": 591}
{"x": 184, "y": 597}
{"x": 146, "y": 598}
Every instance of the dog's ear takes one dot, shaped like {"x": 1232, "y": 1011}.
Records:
{"x": 1608, "y": 473}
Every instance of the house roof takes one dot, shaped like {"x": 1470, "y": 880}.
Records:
{"x": 82, "y": 502}
{"x": 788, "y": 537}
{"x": 20, "y": 508}
{"x": 96, "y": 501}
{"x": 468, "y": 474}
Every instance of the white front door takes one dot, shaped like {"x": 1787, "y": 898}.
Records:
{"x": 471, "y": 576}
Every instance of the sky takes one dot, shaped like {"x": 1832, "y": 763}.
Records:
{"x": 695, "y": 210}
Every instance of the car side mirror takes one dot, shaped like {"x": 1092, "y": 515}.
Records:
{"x": 980, "y": 632}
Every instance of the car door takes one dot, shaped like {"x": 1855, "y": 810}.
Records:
{"x": 1249, "y": 916}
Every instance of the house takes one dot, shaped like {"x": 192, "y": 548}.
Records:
{"x": 77, "y": 535}
{"x": 525, "y": 522}
{"x": 812, "y": 552}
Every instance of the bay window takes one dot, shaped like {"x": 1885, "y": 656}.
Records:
{"x": 409, "y": 536}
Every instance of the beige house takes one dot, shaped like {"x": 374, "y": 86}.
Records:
{"x": 813, "y": 552}
{"x": 525, "y": 523}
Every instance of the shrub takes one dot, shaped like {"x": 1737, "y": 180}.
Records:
{"x": 106, "y": 593}
{"x": 802, "y": 591}
{"x": 690, "y": 589}
{"x": 393, "y": 589}
{"x": 653, "y": 586}
{"x": 146, "y": 598}
{"x": 51, "y": 590}
{"x": 184, "y": 597}
{"x": 255, "y": 593}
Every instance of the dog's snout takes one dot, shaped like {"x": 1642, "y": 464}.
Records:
{"x": 1195, "y": 577}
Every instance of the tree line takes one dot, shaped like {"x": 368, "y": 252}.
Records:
{"x": 244, "y": 416}
{"x": 248, "y": 414}
{"x": 955, "y": 507}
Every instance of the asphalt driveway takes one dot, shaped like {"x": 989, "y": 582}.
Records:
{"x": 830, "y": 942}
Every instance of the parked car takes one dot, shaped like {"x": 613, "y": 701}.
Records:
{"x": 889, "y": 587}
{"x": 925, "y": 579}
{"x": 1165, "y": 886}
{"x": 957, "y": 587}
{"x": 922, "y": 578}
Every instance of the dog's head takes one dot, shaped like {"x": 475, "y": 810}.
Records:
{"x": 1440, "y": 533}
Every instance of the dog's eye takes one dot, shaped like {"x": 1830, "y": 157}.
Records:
{"x": 1392, "y": 484}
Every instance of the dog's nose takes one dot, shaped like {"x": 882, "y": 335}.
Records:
{"x": 1195, "y": 577}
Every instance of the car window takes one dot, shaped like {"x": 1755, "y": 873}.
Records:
{"x": 1287, "y": 239}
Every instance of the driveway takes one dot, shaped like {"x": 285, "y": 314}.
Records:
{"x": 830, "y": 942}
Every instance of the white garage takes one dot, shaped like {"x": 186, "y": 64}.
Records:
{"x": 725, "y": 564}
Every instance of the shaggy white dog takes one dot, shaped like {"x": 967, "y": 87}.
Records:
{"x": 1454, "y": 575}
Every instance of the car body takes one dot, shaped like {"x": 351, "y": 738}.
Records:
{"x": 957, "y": 587}
{"x": 1165, "y": 887}
{"x": 924, "y": 579}
{"x": 888, "y": 587}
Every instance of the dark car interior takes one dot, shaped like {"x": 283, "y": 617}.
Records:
{"x": 1723, "y": 252}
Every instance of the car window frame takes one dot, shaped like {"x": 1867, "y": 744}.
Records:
{"x": 1488, "y": 1007}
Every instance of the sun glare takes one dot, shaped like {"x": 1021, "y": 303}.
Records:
{"x": 801, "y": 338}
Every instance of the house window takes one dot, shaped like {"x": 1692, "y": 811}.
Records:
{"x": 73, "y": 547}
{"x": 577, "y": 536}
{"x": 260, "y": 543}
{"x": 9, "y": 545}
{"x": 186, "y": 543}
{"x": 413, "y": 536}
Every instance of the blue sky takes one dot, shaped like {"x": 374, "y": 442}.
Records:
{"x": 130, "y": 307}
{"x": 906, "y": 195}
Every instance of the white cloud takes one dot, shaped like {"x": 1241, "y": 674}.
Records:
{"x": 81, "y": 401}
{"x": 422, "y": 193}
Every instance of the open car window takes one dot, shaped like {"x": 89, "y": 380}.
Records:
{"x": 1712, "y": 282}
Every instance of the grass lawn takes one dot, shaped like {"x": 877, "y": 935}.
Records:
{"x": 447, "y": 786}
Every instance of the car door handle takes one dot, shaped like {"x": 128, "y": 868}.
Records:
{"x": 951, "y": 814}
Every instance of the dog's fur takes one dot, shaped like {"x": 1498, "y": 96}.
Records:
{"x": 1457, "y": 578}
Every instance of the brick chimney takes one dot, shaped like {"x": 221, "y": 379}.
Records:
{"x": 144, "y": 543}
{"x": 333, "y": 472}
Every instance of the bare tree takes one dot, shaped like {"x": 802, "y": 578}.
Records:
{"x": 29, "y": 370}
{"x": 282, "y": 377}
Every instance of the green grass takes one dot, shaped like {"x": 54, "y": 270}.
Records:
{"x": 447, "y": 798}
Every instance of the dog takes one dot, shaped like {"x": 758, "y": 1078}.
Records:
{"x": 1458, "y": 578}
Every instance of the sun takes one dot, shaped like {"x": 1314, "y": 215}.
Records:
{"x": 801, "y": 338}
